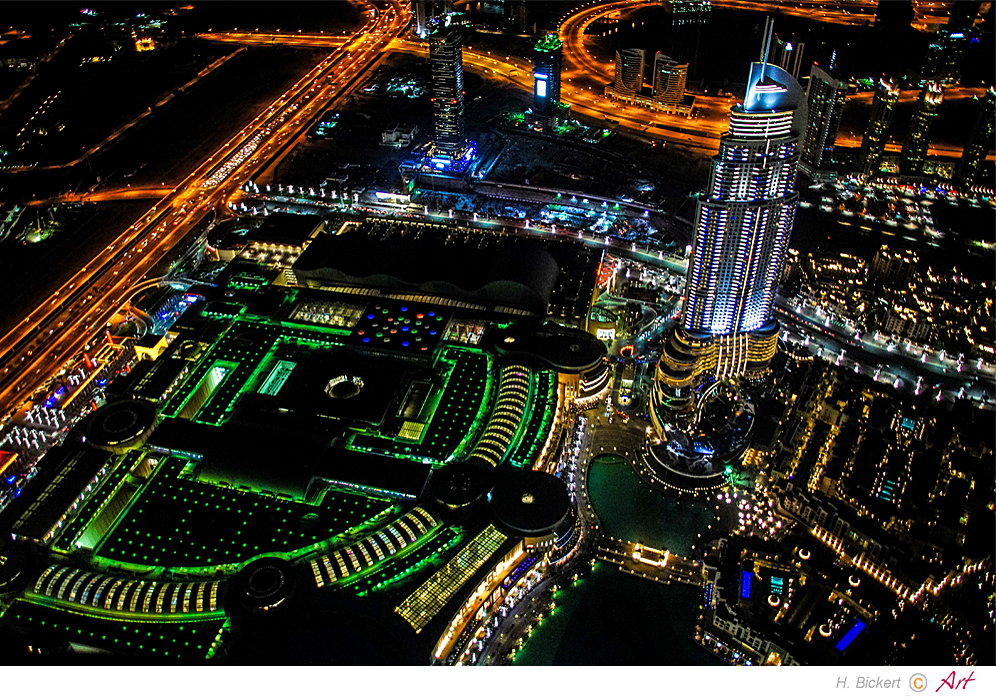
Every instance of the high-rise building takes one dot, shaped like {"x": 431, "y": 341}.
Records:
{"x": 877, "y": 131}
{"x": 700, "y": 404}
{"x": 945, "y": 52}
{"x": 446, "y": 63}
{"x": 629, "y": 71}
{"x": 742, "y": 224}
{"x": 744, "y": 217}
{"x": 517, "y": 16}
{"x": 918, "y": 137}
{"x": 547, "y": 62}
{"x": 980, "y": 139}
{"x": 788, "y": 54}
{"x": 826, "y": 96}
{"x": 669, "y": 80}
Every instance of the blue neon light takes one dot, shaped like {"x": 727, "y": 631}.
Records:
{"x": 745, "y": 585}
{"x": 858, "y": 628}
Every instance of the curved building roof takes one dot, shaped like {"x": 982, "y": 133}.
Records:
{"x": 530, "y": 503}
{"x": 558, "y": 348}
{"x": 120, "y": 424}
{"x": 520, "y": 273}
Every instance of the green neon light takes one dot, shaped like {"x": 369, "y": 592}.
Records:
{"x": 550, "y": 42}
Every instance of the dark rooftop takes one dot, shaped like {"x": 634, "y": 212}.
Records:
{"x": 556, "y": 347}
{"x": 515, "y": 272}
{"x": 63, "y": 473}
{"x": 285, "y": 229}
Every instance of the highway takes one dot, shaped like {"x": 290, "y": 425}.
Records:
{"x": 65, "y": 323}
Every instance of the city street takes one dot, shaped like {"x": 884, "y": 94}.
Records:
{"x": 65, "y": 323}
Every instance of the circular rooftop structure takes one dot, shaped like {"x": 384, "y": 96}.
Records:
{"x": 530, "y": 503}
{"x": 344, "y": 386}
{"x": 265, "y": 584}
{"x": 562, "y": 349}
{"x": 118, "y": 426}
{"x": 460, "y": 484}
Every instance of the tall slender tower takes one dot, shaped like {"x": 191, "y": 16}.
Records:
{"x": 826, "y": 102}
{"x": 877, "y": 132}
{"x": 980, "y": 140}
{"x": 788, "y": 54}
{"x": 918, "y": 138}
{"x": 742, "y": 224}
{"x": 446, "y": 63}
{"x": 700, "y": 404}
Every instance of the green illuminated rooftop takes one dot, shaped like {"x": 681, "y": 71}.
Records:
{"x": 183, "y": 523}
{"x": 165, "y": 641}
{"x": 297, "y": 461}
{"x": 550, "y": 42}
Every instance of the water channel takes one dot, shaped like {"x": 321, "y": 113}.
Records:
{"x": 613, "y": 618}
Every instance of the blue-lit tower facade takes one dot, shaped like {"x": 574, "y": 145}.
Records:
{"x": 548, "y": 58}
{"x": 742, "y": 224}
{"x": 727, "y": 337}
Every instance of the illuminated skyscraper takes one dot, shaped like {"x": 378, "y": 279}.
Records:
{"x": 744, "y": 217}
{"x": 826, "y": 97}
{"x": 918, "y": 138}
{"x": 547, "y": 61}
{"x": 446, "y": 63}
{"x": 944, "y": 55}
{"x": 742, "y": 224}
{"x": 727, "y": 337}
{"x": 980, "y": 139}
{"x": 669, "y": 80}
{"x": 629, "y": 71}
{"x": 788, "y": 54}
{"x": 877, "y": 131}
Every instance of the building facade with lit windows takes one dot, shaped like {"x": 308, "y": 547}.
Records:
{"x": 446, "y": 64}
{"x": 918, "y": 138}
{"x": 877, "y": 132}
{"x": 629, "y": 71}
{"x": 669, "y": 80}
{"x": 548, "y": 59}
{"x": 980, "y": 139}
{"x": 827, "y": 95}
{"x": 726, "y": 334}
